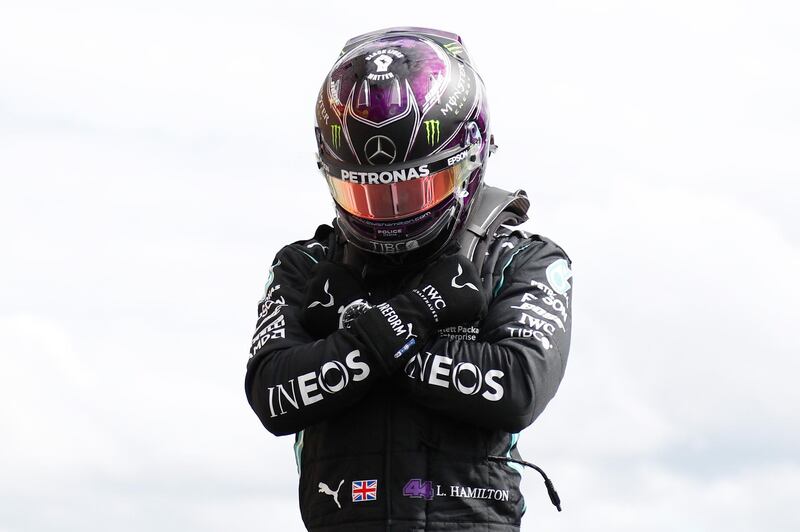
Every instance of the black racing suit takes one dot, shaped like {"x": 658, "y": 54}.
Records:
{"x": 411, "y": 451}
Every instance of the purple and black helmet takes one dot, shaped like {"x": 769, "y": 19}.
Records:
{"x": 403, "y": 136}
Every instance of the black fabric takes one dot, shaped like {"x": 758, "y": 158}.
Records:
{"x": 422, "y": 425}
{"x": 331, "y": 287}
{"x": 450, "y": 290}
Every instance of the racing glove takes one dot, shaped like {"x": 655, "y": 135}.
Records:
{"x": 330, "y": 289}
{"x": 448, "y": 294}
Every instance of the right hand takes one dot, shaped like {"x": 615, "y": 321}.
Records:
{"x": 449, "y": 294}
{"x": 451, "y": 291}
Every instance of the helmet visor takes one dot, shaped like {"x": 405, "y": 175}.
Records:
{"x": 396, "y": 193}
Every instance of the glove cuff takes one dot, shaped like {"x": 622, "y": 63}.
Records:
{"x": 395, "y": 330}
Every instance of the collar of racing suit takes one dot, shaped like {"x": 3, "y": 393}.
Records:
{"x": 492, "y": 208}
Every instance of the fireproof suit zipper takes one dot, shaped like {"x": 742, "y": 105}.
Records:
{"x": 380, "y": 292}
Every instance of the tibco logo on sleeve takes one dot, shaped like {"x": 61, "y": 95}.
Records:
{"x": 544, "y": 312}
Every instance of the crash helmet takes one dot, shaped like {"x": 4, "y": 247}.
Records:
{"x": 402, "y": 130}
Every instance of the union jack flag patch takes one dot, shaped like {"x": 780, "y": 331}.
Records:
{"x": 365, "y": 490}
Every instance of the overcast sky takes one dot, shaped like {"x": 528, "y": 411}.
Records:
{"x": 154, "y": 156}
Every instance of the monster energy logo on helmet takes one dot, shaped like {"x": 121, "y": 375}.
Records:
{"x": 336, "y": 135}
{"x": 432, "y": 131}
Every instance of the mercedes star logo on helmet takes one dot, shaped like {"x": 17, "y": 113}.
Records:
{"x": 380, "y": 150}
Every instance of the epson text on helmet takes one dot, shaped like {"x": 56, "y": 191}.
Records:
{"x": 457, "y": 158}
{"x": 385, "y": 178}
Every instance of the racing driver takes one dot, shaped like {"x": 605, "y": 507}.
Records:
{"x": 407, "y": 344}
